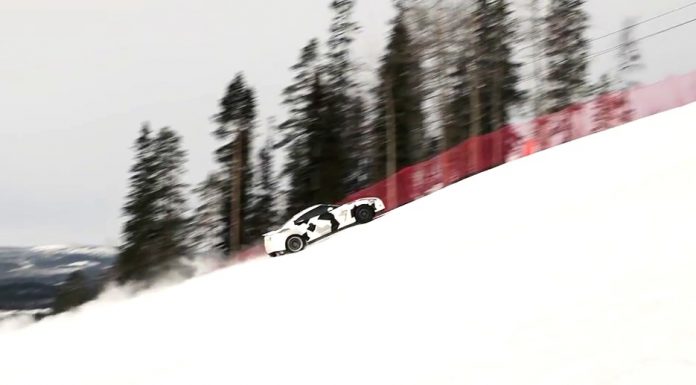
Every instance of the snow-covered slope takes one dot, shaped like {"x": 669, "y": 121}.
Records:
{"x": 572, "y": 266}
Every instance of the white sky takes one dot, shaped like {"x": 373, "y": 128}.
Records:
{"x": 77, "y": 77}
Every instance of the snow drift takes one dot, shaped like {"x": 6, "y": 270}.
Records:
{"x": 572, "y": 266}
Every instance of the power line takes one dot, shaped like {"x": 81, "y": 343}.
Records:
{"x": 675, "y": 10}
{"x": 608, "y": 50}
{"x": 621, "y": 45}
{"x": 643, "y": 38}
{"x": 603, "y": 52}
{"x": 645, "y": 21}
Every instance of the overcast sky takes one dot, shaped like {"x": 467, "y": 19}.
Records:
{"x": 77, "y": 78}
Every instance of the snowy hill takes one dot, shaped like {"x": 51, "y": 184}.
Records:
{"x": 572, "y": 266}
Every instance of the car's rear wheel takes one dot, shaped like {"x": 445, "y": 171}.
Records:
{"x": 295, "y": 243}
{"x": 364, "y": 214}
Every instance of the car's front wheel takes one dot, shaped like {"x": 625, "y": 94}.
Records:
{"x": 364, "y": 214}
{"x": 295, "y": 243}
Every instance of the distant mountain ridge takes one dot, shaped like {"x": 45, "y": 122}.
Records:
{"x": 29, "y": 276}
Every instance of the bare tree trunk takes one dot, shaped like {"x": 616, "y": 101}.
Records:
{"x": 441, "y": 70}
{"x": 535, "y": 34}
{"x": 496, "y": 74}
{"x": 432, "y": 32}
{"x": 391, "y": 145}
{"x": 446, "y": 128}
{"x": 497, "y": 107}
{"x": 497, "y": 98}
{"x": 236, "y": 196}
{"x": 475, "y": 102}
{"x": 474, "y": 95}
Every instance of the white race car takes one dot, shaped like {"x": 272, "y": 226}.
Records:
{"x": 318, "y": 222}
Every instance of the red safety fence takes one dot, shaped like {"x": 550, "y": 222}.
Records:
{"x": 470, "y": 157}
{"x": 510, "y": 142}
{"x": 604, "y": 112}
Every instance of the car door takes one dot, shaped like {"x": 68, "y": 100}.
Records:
{"x": 342, "y": 215}
{"x": 319, "y": 224}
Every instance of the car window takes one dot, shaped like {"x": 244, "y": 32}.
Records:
{"x": 313, "y": 213}
{"x": 304, "y": 217}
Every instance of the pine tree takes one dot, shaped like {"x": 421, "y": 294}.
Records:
{"x": 268, "y": 187}
{"x": 155, "y": 230}
{"x": 170, "y": 197}
{"x": 74, "y": 292}
{"x": 208, "y": 217}
{"x": 323, "y": 171}
{"x": 430, "y": 23}
{"x": 340, "y": 66}
{"x": 629, "y": 57}
{"x": 466, "y": 110}
{"x": 534, "y": 34}
{"x": 437, "y": 31}
{"x": 399, "y": 126}
{"x": 264, "y": 214}
{"x": 475, "y": 69}
{"x": 316, "y": 156}
{"x": 360, "y": 139}
{"x": 630, "y": 61}
{"x": 296, "y": 95}
{"x": 236, "y": 121}
{"x": 603, "y": 111}
{"x": 498, "y": 34}
{"x": 135, "y": 252}
{"x": 296, "y": 138}
{"x": 458, "y": 109}
{"x": 346, "y": 112}
{"x": 566, "y": 53}
{"x": 611, "y": 106}
{"x": 487, "y": 66}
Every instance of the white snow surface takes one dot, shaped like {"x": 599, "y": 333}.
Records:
{"x": 576, "y": 265}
